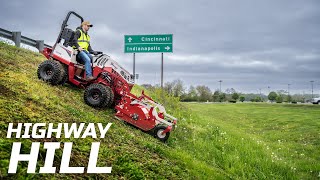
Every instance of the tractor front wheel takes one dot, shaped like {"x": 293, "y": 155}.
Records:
{"x": 96, "y": 95}
{"x": 50, "y": 71}
{"x": 159, "y": 135}
{"x": 110, "y": 97}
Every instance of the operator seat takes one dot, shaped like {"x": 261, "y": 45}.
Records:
{"x": 68, "y": 35}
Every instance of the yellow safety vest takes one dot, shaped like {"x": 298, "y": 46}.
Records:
{"x": 83, "y": 41}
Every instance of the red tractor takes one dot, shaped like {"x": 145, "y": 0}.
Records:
{"x": 111, "y": 88}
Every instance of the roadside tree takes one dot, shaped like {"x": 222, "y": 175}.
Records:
{"x": 235, "y": 96}
{"x": 272, "y": 96}
{"x": 204, "y": 93}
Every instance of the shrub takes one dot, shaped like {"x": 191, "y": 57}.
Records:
{"x": 232, "y": 101}
{"x": 242, "y": 98}
{"x": 279, "y": 99}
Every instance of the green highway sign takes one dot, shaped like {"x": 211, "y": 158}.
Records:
{"x": 147, "y": 48}
{"x": 159, "y": 43}
{"x": 154, "y": 39}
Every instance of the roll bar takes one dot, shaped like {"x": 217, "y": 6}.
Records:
{"x": 64, "y": 25}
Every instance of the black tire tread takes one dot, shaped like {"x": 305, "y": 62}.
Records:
{"x": 64, "y": 74}
{"x": 109, "y": 101}
{"x": 56, "y": 66}
{"x": 104, "y": 95}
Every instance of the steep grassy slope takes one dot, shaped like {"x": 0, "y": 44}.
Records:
{"x": 212, "y": 141}
{"x": 23, "y": 98}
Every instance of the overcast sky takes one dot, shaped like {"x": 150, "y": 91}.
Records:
{"x": 248, "y": 44}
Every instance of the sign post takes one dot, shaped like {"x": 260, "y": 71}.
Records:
{"x": 134, "y": 67}
{"x": 161, "y": 70}
{"x": 158, "y": 43}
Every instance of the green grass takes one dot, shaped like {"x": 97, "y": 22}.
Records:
{"x": 212, "y": 141}
{"x": 256, "y": 140}
{"x": 132, "y": 153}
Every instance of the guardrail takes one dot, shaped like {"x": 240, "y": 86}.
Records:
{"x": 17, "y": 38}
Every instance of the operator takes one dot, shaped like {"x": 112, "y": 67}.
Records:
{"x": 81, "y": 42}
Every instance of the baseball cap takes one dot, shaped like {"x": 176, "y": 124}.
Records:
{"x": 86, "y": 23}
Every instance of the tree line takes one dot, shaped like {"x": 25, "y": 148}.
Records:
{"x": 202, "y": 93}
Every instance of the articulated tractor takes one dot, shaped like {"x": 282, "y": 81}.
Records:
{"x": 111, "y": 87}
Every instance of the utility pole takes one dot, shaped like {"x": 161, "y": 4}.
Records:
{"x": 260, "y": 92}
{"x": 289, "y": 89}
{"x": 312, "y": 88}
{"x": 220, "y": 84}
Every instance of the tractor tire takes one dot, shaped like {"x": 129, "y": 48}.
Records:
{"x": 96, "y": 95}
{"x": 50, "y": 71}
{"x": 157, "y": 133}
{"x": 64, "y": 74}
{"x": 108, "y": 103}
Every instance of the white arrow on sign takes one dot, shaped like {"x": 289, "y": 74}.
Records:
{"x": 129, "y": 39}
{"x": 167, "y": 48}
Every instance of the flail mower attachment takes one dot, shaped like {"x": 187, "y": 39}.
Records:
{"x": 146, "y": 114}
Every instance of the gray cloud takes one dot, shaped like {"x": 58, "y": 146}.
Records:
{"x": 248, "y": 44}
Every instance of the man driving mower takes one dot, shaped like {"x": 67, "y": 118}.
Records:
{"x": 81, "y": 42}
{"x": 112, "y": 86}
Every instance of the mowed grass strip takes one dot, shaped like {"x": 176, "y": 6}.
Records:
{"x": 258, "y": 140}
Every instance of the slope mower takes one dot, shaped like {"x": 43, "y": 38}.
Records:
{"x": 110, "y": 89}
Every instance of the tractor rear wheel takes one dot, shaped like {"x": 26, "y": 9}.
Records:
{"x": 96, "y": 95}
{"x": 64, "y": 74}
{"x": 158, "y": 133}
{"x": 50, "y": 71}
